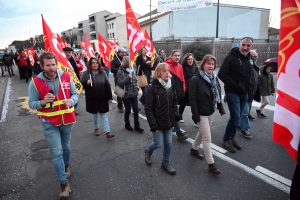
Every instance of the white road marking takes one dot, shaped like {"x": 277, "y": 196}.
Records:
{"x": 6, "y": 100}
{"x": 274, "y": 175}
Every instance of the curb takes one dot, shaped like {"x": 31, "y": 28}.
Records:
{"x": 3, "y": 86}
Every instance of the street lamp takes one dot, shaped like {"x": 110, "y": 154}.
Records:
{"x": 217, "y": 29}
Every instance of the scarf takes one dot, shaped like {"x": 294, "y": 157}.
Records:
{"x": 189, "y": 71}
{"x": 166, "y": 85}
{"x": 212, "y": 79}
{"x": 161, "y": 59}
{"x": 130, "y": 70}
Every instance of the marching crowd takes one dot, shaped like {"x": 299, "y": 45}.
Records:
{"x": 167, "y": 88}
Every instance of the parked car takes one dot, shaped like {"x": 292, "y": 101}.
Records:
{"x": 273, "y": 62}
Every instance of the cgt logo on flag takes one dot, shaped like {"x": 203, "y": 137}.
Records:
{"x": 65, "y": 85}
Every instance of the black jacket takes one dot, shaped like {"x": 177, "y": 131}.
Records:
{"x": 161, "y": 107}
{"x": 201, "y": 98}
{"x": 7, "y": 59}
{"x": 144, "y": 67}
{"x": 254, "y": 93}
{"x": 128, "y": 84}
{"x": 188, "y": 72}
{"x": 115, "y": 65}
{"x": 236, "y": 71}
{"x": 97, "y": 95}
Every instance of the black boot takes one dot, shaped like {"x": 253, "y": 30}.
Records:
{"x": 181, "y": 136}
{"x": 167, "y": 166}
{"x": 137, "y": 127}
{"x": 148, "y": 158}
{"x": 128, "y": 126}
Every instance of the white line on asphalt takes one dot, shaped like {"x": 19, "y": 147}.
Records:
{"x": 6, "y": 100}
{"x": 274, "y": 176}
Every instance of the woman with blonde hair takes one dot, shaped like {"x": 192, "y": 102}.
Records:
{"x": 205, "y": 99}
{"x": 126, "y": 79}
{"x": 162, "y": 113}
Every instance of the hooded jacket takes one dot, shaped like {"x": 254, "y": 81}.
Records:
{"x": 177, "y": 78}
{"x": 236, "y": 72}
{"x": 266, "y": 83}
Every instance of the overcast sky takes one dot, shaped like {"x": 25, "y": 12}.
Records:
{"x": 20, "y": 19}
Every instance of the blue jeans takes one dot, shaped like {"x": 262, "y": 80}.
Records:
{"x": 159, "y": 138}
{"x": 244, "y": 121}
{"x": 58, "y": 140}
{"x": 236, "y": 104}
{"x": 105, "y": 121}
{"x": 144, "y": 90}
{"x": 107, "y": 71}
{"x": 177, "y": 127}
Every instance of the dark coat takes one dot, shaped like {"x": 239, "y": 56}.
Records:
{"x": 7, "y": 59}
{"x": 130, "y": 84}
{"x": 266, "y": 83}
{"x": 201, "y": 98}
{"x": 97, "y": 95}
{"x": 144, "y": 67}
{"x": 187, "y": 77}
{"x": 254, "y": 93}
{"x": 236, "y": 71}
{"x": 115, "y": 65}
{"x": 161, "y": 107}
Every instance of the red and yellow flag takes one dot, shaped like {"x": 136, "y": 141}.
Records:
{"x": 30, "y": 53}
{"x": 82, "y": 45}
{"x": 150, "y": 47}
{"x": 52, "y": 45}
{"x": 107, "y": 52}
{"x": 135, "y": 36}
{"x": 112, "y": 44}
{"x": 89, "y": 49}
{"x": 286, "y": 128}
{"x": 61, "y": 42}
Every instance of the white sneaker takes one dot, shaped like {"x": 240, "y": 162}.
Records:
{"x": 196, "y": 125}
{"x": 181, "y": 121}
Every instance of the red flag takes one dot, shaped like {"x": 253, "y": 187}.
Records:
{"x": 89, "y": 49}
{"x": 82, "y": 45}
{"x": 150, "y": 47}
{"x": 112, "y": 44}
{"x": 106, "y": 51}
{"x": 65, "y": 43}
{"x": 30, "y": 53}
{"x": 61, "y": 42}
{"x": 135, "y": 36}
{"x": 286, "y": 129}
{"x": 52, "y": 45}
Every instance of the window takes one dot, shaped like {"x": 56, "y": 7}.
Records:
{"x": 113, "y": 35}
{"x": 108, "y": 35}
{"x": 109, "y": 26}
{"x": 112, "y": 25}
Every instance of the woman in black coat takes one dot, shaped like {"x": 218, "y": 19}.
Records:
{"x": 205, "y": 98}
{"x": 189, "y": 70}
{"x": 161, "y": 111}
{"x": 143, "y": 66}
{"x": 97, "y": 95}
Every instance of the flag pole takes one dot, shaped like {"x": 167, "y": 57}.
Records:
{"x": 62, "y": 87}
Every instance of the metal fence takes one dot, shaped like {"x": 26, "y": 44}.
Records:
{"x": 219, "y": 49}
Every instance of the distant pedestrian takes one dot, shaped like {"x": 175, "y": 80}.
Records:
{"x": 97, "y": 95}
{"x": 55, "y": 105}
{"x": 160, "y": 58}
{"x": 8, "y": 62}
{"x": 205, "y": 99}
{"x": 126, "y": 79}
{"x": 162, "y": 112}
{"x": 189, "y": 70}
{"x": 267, "y": 88}
{"x": 236, "y": 72}
{"x": 24, "y": 66}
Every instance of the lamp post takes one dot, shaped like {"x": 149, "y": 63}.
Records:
{"x": 217, "y": 28}
{"x": 150, "y": 23}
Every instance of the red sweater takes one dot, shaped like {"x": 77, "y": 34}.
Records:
{"x": 176, "y": 69}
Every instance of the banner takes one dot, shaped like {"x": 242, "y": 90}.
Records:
{"x": 150, "y": 47}
{"x": 286, "y": 128}
{"x": 135, "y": 36}
{"x": 89, "y": 49}
{"x": 173, "y": 5}
{"x": 106, "y": 51}
{"x": 61, "y": 42}
{"x": 52, "y": 45}
{"x": 30, "y": 53}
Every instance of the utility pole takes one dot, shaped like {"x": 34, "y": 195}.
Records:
{"x": 217, "y": 28}
{"x": 150, "y": 23}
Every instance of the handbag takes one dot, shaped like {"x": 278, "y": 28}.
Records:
{"x": 142, "y": 80}
{"x": 119, "y": 91}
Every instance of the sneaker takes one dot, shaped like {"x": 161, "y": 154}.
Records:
{"x": 148, "y": 158}
{"x": 181, "y": 136}
{"x": 65, "y": 189}
{"x": 167, "y": 166}
{"x": 196, "y": 125}
{"x": 173, "y": 129}
{"x": 258, "y": 112}
{"x": 236, "y": 144}
{"x": 180, "y": 119}
{"x": 251, "y": 117}
{"x": 229, "y": 146}
{"x": 121, "y": 109}
{"x": 262, "y": 115}
{"x": 246, "y": 134}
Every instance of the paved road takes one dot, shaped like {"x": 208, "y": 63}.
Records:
{"x": 115, "y": 168}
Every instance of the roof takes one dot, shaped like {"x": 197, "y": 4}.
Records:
{"x": 146, "y": 18}
{"x": 273, "y": 31}
{"x": 112, "y": 16}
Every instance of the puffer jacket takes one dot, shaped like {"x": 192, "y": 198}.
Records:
{"x": 161, "y": 107}
{"x": 201, "y": 98}
{"x": 130, "y": 84}
{"x": 266, "y": 83}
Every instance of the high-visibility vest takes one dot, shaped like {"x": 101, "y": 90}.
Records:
{"x": 60, "y": 114}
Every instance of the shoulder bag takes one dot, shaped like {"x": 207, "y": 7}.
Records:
{"x": 142, "y": 80}
{"x": 120, "y": 92}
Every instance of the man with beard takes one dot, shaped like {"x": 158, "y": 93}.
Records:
{"x": 115, "y": 65}
{"x": 76, "y": 64}
{"x": 178, "y": 83}
{"x": 236, "y": 72}
{"x": 56, "y": 112}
